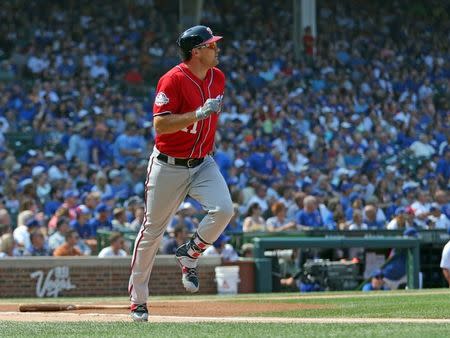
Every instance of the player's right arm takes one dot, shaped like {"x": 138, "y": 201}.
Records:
{"x": 171, "y": 123}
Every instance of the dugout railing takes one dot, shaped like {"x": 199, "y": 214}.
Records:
{"x": 264, "y": 284}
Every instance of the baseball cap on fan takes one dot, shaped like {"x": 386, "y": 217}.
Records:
{"x": 377, "y": 273}
{"x": 220, "y": 240}
{"x": 196, "y": 36}
{"x": 82, "y": 210}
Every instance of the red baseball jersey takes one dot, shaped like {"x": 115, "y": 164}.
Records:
{"x": 179, "y": 91}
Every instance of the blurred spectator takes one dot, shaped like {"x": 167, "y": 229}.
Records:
{"x": 224, "y": 159}
{"x": 53, "y": 202}
{"x": 185, "y": 217}
{"x": 92, "y": 200}
{"x": 376, "y": 282}
{"x": 138, "y": 218}
{"x": 25, "y": 224}
{"x": 71, "y": 202}
{"x": 8, "y": 246}
{"x": 79, "y": 143}
{"x": 261, "y": 163}
{"x": 357, "y": 204}
{"x": 421, "y": 207}
{"x": 357, "y": 222}
{"x": 80, "y": 224}
{"x": 403, "y": 218}
{"x": 296, "y": 207}
{"x": 370, "y": 217}
{"x": 5, "y": 221}
{"x": 58, "y": 171}
{"x": 309, "y": 217}
{"x": 59, "y": 236}
{"x": 100, "y": 146}
{"x": 101, "y": 184}
{"x": 178, "y": 238}
{"x": 87, "y": 242}
{"x": 115, "y": 248}
{"x": 253, "y": 220}
{"x": 109, "y": 200}
{"x": 129, "y": 146}
{"x": 4, "y": 229}
{"x": 62, "y": 212}
{"x": 222, "y": 248}
{"x": 333, "y": 215}
{"x": 119, "y": 222}
{"x": 260, "y": 197}
{"x": 131, "y": 205}
{"x": 119, "y": 188}
{"x": 69, "y": 246}
{"x": 441, "y": 198}
{"x": 443, "y": 168}
{"x": 422, "y": 148}
{"x": 38, "y": 245}
{"x": 101, "y": 220}
{"x": 278, "y": 221}
{"x": 436, "y": 219}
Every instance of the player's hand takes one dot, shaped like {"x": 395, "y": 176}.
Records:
{"x": 210, "y": 106}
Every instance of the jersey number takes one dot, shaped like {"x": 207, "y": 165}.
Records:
{"x": 193, "y": 130}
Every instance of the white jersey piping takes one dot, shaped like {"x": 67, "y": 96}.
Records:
{"x": 203, "y": 101}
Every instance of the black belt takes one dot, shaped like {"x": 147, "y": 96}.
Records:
{"x": 184, "y": 162}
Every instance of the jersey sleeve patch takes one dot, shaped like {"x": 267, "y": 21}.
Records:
{"x": 161, "y": 99}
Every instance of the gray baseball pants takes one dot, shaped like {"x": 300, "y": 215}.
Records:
{"x": 166, "y": 187}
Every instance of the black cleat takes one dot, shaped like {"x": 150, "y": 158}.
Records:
{"x": 139, "y": 312}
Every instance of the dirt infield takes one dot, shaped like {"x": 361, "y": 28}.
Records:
{"x": 174, "y": 311}
{"x": 167, "y": 309}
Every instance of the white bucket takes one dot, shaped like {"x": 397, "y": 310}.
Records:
{"x": 227, "y": 278}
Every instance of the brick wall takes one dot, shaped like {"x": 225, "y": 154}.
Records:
{"x": 92, "y": 276}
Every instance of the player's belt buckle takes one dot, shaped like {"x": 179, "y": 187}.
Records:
{"x": 190, "y": 162}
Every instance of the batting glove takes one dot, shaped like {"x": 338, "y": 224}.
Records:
{"x": 210, "y": 106}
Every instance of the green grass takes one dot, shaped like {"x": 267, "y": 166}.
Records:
{"x": 10, "y": 329}
{"x": 398, "y": 304}
{"x": 390, "y": 306}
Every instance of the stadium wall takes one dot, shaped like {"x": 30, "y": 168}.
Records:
{"x": 92, "y": 276}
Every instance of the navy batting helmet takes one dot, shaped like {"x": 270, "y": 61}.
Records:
{"x": 196, "y": 36}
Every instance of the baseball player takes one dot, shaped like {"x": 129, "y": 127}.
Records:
{"x": 188, "y": 100}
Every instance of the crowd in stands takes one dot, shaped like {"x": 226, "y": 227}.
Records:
{"x": 353, "y": 135}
